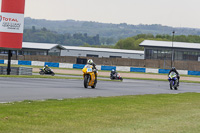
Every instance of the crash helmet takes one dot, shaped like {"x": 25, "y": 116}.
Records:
{"x": 173, "y": 69}
{"x": 90, "y": 61}
{"x": 113, "y": 70}
{"x": 46, "y": 66}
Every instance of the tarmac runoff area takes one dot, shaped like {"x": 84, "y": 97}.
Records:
{"x": 20, "y": 89}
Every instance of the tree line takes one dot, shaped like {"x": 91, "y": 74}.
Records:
{"x": 77, "y": 39}
{"x": 132, "y": 43}
{"x": 107, "y": 30}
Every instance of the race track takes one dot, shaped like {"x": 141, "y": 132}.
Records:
{"x": 19, "y": 89}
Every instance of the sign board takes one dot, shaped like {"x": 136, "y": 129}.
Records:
{"x": 11, "y": 24}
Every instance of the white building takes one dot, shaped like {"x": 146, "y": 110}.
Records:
{"x": 164, "y": 49}
{"x": 29, "y": 48}
{"x": 101, "y": 52}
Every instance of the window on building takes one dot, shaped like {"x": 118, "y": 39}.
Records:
{"x": 54, "y": 53}
{"x": 157, "y": 54}
{"x": 3, "y": 52}
{"x": 92, "y": 55}
{"x": 115, "y": 57}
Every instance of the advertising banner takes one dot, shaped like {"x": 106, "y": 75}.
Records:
{"x": 11, "y": 24}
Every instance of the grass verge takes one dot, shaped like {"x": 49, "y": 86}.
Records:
{"x": 46, "y": 76}
{"x": 59, "y": 77}
{"x": 166, "y": 113}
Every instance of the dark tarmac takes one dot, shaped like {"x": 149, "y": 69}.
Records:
{"x": 19, "y": 89}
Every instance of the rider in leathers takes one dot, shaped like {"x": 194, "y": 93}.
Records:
{"x": 174, "y": 70}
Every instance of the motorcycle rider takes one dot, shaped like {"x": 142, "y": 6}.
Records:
{"x": 90, "y": 62}
{"x": 113, "y": 72}
{"x": 46, "y": 68}
{"x": 173, "y": 69}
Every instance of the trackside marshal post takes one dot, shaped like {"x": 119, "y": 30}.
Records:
{"x": 11, "y": 26}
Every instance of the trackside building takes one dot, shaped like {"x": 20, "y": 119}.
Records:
{"x": 30, "y": 48}
{"x": 163, "y": 50}
{"x": 101, "y": 52}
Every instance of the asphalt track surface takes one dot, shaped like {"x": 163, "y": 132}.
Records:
{"x": 19, "y": 89}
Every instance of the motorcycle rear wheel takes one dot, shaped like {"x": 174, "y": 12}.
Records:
{"x": 41, "y": 73}
{"x": 95, "y": 83}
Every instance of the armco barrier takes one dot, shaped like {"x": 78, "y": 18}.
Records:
{"x": 151, "y": 70}
{"x": 99, "y": 67}
{"x": 193, "y": 73}
{"x": 37, "y": 63}
{"x": 108, "y": 68}
{"x": 22, "y": 62}
{"x": 51, "y": 64}
{"x": 14, "y": 62}
{"x": 65, "y": 65}
{"x": 78, "y": 66}
{"x": 163, "y": 71}
{"x": 1, "y": 61}
{"x": 134, "y": 69}
{"x": 123, "y": 68}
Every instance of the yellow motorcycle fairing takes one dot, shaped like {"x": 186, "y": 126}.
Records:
{"x": 87, "y": 70}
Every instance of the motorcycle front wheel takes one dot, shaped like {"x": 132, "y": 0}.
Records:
{"x": 86, "y": 81}
{"x": 52, "y": 74}
{"x": 171, "y": 85}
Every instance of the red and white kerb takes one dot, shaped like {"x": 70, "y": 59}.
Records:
{"x": 12, "y": 24}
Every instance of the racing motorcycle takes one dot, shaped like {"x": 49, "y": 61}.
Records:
{"x": 89, "y": 76}
{"x": 47, "y": 72}
{"x": 173, "y": 81}
{"x": 116, "y": 76}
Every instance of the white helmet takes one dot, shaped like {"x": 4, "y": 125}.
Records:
{"x": 90, "y": 61}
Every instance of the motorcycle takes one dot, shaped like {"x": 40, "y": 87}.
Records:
{"x": 116, "y": 76}
{"x": 48, "y": 72}
{"x": 173, "y": 81}
{"x": 89, "y": 76}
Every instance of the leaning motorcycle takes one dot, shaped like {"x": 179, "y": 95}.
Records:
{"x": 116, "y": 76}
{"x": 48, "y": 72}
{"x": 89, "y": 76}
{"x": 173, "y": 81}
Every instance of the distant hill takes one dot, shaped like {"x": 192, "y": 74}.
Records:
{"x": 107, "y": 30}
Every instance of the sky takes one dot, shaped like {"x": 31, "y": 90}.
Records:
{"x": 175, "y": 13}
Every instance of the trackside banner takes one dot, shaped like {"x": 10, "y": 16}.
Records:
{"x": 12, "y": 24}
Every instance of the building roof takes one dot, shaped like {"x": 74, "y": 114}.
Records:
{"x": 168, "y": 44}
{"x": 48, "y": 46}
{"x": 43, "y": 46}
{"x": 103, "y": 50}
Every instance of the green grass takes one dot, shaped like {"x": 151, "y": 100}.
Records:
{"x": 52, "y": 77}
{"x": 164, "y": 113}
{"x": 38, "y": 76}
